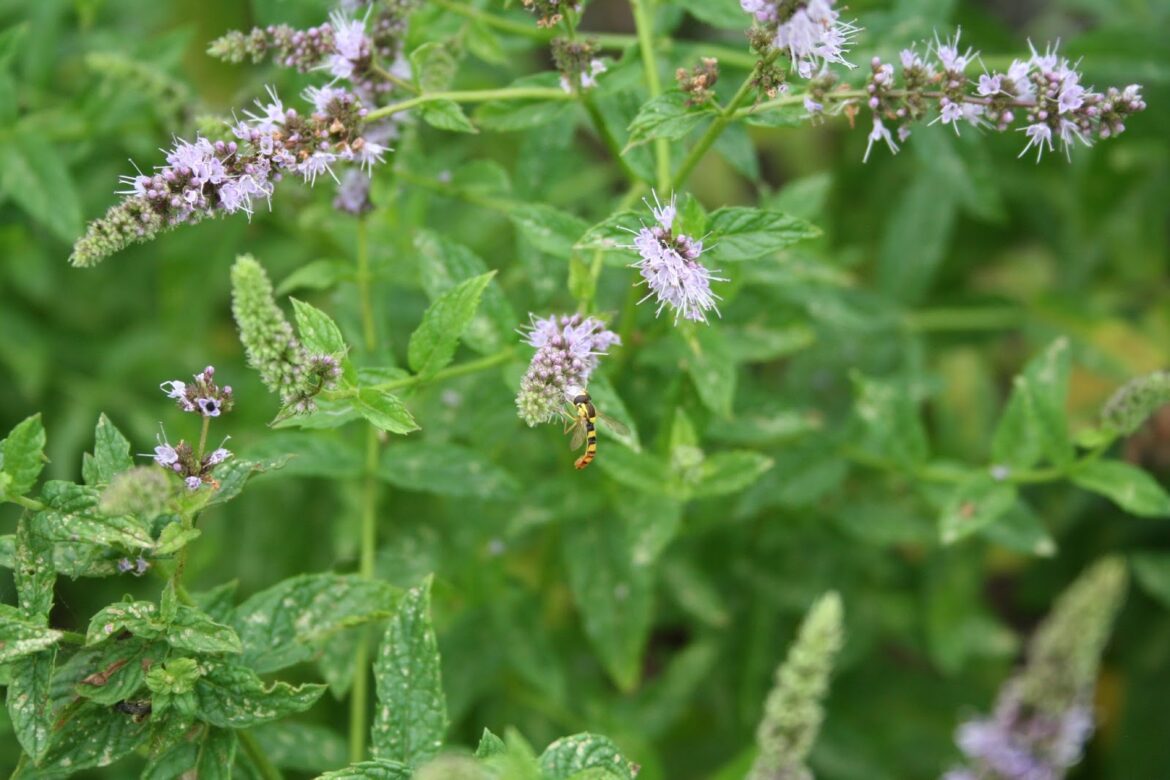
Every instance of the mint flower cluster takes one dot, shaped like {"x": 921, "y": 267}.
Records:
{"x": 285, "y": 366}
{"x": 1042, "y": 96}
{"x": 204, "y": 179}
{"x": 206, "y": 398}
{"x": 671, "y": 269}
{"x": 1043, "y": 716}
{"x": 567, "y": 350}
{"x": 811, "y": 34}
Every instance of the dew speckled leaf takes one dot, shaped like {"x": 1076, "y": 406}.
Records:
{"x": 278, "y": 626}
{"x": 234, "y": 697}
{"x": 568, "y": 756}
{"x": 432, "y": 345}
{"x": 235, "y": 473}
{"x": 29, "y": 702}
{"x": 445, "y": 469}
{"x": 614, "y": 596}
{"x": 305, "y": 747}
{"x": 92, "y": 735}
{"x": 33, "y": 573}
{"x": 22, "y": 455}
{"x": 196, "y": 632}
{"x": 112, "y": 671}
{"x": 111, "y": 454}
{"x": 379, "y": 769}
{"x": 20, "y": 636}
{"x": 411, "y": 715}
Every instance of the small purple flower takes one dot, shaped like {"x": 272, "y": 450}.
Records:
{"x": 125, "y": 565}
{"x": 1039, "y": 135}
{"x": 173, "y": 388}
{"x": 193, "y": 483}
{"x": 671, "y": 269}
{"x": 879, "y": 133}
{"x": 353, "y": 194}
{"x": 208, "y": 407}
{"x": 165, "y": 455}
{"x": 351, "y": 45}
{"x": 218, "y": 456}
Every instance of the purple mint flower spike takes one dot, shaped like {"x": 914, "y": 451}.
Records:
{"x": 567, "y": 352}
{"x": 671, "y": 269}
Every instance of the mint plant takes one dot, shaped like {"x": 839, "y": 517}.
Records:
{"x": 428, "y": 230}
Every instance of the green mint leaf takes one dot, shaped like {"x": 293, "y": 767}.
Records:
{"x": 91, "y": 735}
{"x": 20, "y": 636}
{"x": 22, "y": 456}
{"x": 433, "y": 65}
{"x": 612, "y": 234}
{"x": 891, "y": 424}
{"x": 112, "y": 671}
{"x": 614, "y": 595}
{"x": 445, "y": 469}
{"x": 317, "y": 275}
{"x": 111, "y": 454}
{"x": 1128, "y": 486}
{"x": 739, "y": 233}
{"x": 1152, "y": 570}
{"x": 1034, "y": 424}
{"x": 411, "y": 717}
{"x": 974, "y": 505}
{"x": 32, "y": 570}
{"x": 207, "y": 754}
{"x": 666, "y": 116}
{"x": 506, "y": 115}
{"x": 432, "y": 345}
{"x": 568, "y": 756}
{"x": 190, "y": 630}
{"x": 446, "y": 115}
{"x": 304, "y": 747}
{"x": 234, "y": 697}
{"x": 281, "y": 626}
{"x": 443, "y": 264}
{"x": 318, "y": 332}
{"x": 548, "y": 228}
{"x": 726, "y": 14}
{"x": 378, "y": 769}
{"x": 712, "y": 370}
{"x": 30, "y": 706}
{"x": 34, "y": 175}
{"x": 725, "y": 473}
{"x": 489, "y": 745}
{"x": 384, "y": 410}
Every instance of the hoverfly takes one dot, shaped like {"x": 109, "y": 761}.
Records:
{"x": 583, "y": 424}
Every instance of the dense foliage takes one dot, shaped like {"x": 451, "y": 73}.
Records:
{"x": 869, "y": 446}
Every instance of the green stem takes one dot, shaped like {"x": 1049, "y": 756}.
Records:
{"x": 714, "y": 130}
{"x": 386, "y": 75}
{"x": 360, "y": 695}
{"x": 203, "y": 438}
{"x": 471, "y": 96}
{"x": 26, "y": 502}
{"x": 470, "y": 367}
{"x": 364, "y": 282}
{"x": 645, "y": 29}
{"x": 607, "y": 138}
{"x": 72, "y": 638}
{"x": 267, "y": 769}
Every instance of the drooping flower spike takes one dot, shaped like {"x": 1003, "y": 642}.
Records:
{"x": 670, "y": 266}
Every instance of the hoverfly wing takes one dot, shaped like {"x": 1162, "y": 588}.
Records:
{"x": 578, "y": 434}
{"x": 614, "y": 426}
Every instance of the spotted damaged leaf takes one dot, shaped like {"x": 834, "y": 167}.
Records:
{"x": 22, "y": 456}
{"x": 190, "y": 629}
{"x": 569, "y": 756}
{"x": 283, "y": 625}
{"x": 411, "y": 718}
{"x": 234, "y": 697}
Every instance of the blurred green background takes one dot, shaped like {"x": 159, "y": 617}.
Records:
{"x": 946, "y": 267}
